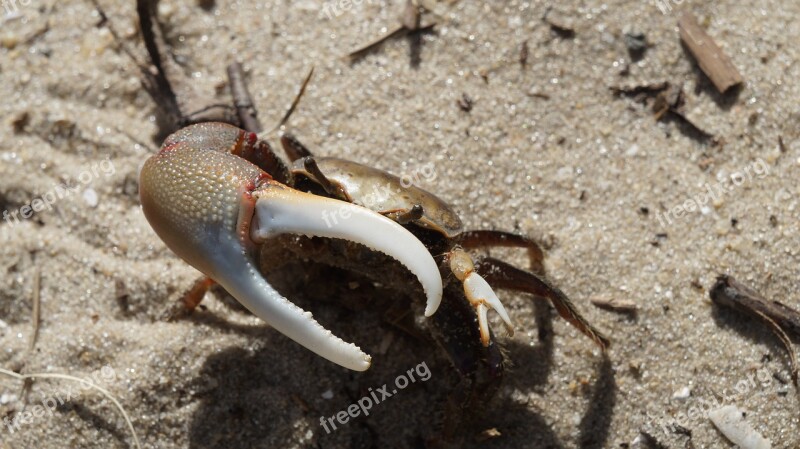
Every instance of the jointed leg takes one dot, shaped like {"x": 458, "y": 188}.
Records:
{"x": 192, "y": 298}
{"x": 502, "y": 275}
{"x": 474, "y": 239}
{"x": 294, "y": 148}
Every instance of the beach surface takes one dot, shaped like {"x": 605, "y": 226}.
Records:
{"x": 628, "y": 207}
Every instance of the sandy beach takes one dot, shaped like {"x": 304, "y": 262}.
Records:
{"x": 562, "y": 142}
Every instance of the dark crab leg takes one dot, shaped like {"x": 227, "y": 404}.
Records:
{"x": 294, "y": 148}
{"x": 475, "y": 239}
{"x": 212, "y": 208}
{"x": 502, "y": 275}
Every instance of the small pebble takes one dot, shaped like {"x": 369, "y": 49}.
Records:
{"x": 90, "y": 196}
{"x": 682, "y": 394}
{"x": 327, "y": 394}
{"x": 7, "y": 398}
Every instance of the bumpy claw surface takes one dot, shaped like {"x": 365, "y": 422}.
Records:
{"x": 479, "y": 293}
{"x": 212, "y": 207}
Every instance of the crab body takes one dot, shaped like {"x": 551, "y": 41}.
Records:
{"x": 383, "y": 192}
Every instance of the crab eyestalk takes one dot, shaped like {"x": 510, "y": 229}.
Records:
{"x": 211, "y": 208}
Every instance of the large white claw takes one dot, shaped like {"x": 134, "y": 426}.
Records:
{"x": 242, "y": 280}
{"x": 209, "y": 205}
{"x": 281, "y": 211}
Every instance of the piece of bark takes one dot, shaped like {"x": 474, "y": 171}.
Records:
{"x": 729, "y": 292}
{"x": 712, "y": 60}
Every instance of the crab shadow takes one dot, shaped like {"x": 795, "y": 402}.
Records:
{"x": 276, "y": 392}
{"x": 522, "y": 426}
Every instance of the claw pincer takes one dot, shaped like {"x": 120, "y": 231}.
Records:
{"x": 212, "y": 207}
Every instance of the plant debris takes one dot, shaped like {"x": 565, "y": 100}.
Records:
{"x": 410, "y": 24}
{"x": 614, "y": 304}
{"x": 712, "y": 60}
{"x": 465, "y": 102}
{"x": 730, "y": 293}
{"x": 559, "y": 25}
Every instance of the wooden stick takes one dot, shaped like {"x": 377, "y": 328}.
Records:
{"x": 37, "y": 314}
{"x": 248, "y": 116}
{"x": 714, "y": 63}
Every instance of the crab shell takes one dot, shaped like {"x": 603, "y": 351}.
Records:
{"x": 385, "y": 193}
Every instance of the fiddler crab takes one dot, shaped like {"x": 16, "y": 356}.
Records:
{"x": 222, "y": 200}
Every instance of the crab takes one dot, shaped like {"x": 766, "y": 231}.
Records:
{"x": 222, "y": 200}
{"x": 225, "y": 202}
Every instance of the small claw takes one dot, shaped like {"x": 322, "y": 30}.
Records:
{"x": 201, "y": 200}
{"x": 281, "y": 210}
{"x": 479, "y": 293}
{"x": 478, "y": 290}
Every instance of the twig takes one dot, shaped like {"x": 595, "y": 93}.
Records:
{"x": 248, "y": 116}
{"x": 614, "y": 304}
{"x": 410, "y": 22}
{"x": 398, "y": 30}
{"x": 37, "y": 281}
{"x": 649, "y": 89}
{"x": 294, "y": 103}
{"x": 159, "y": 85}
{"x": 712, "y": 60}
{"x": 103, "y": 391}
{"x": 523, "y": 54}
{"x": 730, "y": 293}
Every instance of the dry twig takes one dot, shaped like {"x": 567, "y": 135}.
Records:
{"x": 712, "y": 60}
{"x": 103, "y": 391}
{"x": 36, "y": 296}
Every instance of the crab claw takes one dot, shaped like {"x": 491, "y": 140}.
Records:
{"x": 479, "y": 293}
{"x": 211, "y": 208}
{"x": 280, "y": 210}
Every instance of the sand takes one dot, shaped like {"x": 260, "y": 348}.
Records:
{"x": 547, "y": 150}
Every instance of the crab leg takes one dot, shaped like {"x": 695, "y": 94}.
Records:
{"x": 478, "y": 292}
{"x": 212, "y": 208}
